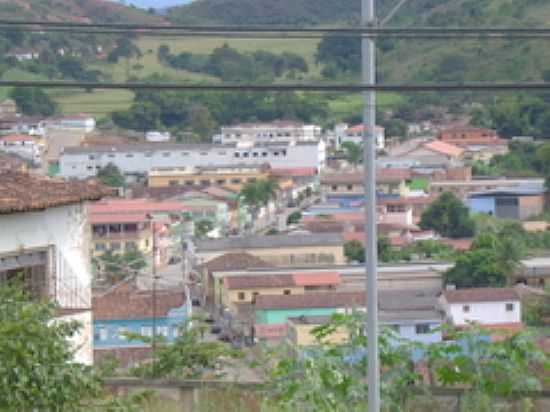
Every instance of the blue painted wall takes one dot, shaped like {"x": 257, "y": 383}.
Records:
{"x": 482, "y": 205}
{"x": 274, "y": 316}
{"x": 107, "y": 333}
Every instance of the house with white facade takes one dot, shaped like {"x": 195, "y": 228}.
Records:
{"x": 157, "y": 137}
{"x": 277, "y": 131}
{"x": 20, "y": 54}
{"x": 344, "y": 133}
{"x": 489, "y": 307}
{"x": 44, "y": 241}
{"x": 81, "y": 122}
{"x": 22, "y": 146}
{"x": 140, "y": 159}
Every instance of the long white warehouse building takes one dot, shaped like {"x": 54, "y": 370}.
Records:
{"x": 139, "y": 159}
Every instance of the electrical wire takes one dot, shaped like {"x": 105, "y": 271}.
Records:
{"x": 305, "y": 87}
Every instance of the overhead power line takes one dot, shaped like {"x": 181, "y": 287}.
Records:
{"x": 268, "y": 31}
{"x": 306, "y": 87}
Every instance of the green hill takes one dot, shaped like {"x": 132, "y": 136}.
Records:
{"x": 402, "y": 60}
{"x": 90, "y": 11}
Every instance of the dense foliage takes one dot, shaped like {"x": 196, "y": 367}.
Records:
{"x": 231, "y": 65}
{"x": 205, "y": 111}
{"x": 118, "y": 266}
{"x": 33, "y": 101}
{"x": 111, "y": 175}
{"x": 448, "y": 216}
{"x": 186, "y": 357}
{"x": 36, "y": 367}
{"x": 493, "y": 257}
{"x": 330, "y": 376}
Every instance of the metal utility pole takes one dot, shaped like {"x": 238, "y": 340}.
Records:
{"x": 368, "y": 64}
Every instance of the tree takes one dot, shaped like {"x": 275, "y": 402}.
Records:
{"x": 354, "y": 251}
{"x": 187, "y": 357}
{"x": 110, "y": 175}
{"x": 492, "y": 259}
{"x": 353, "y": 151}
{"x": 201, "y": 122}
{"x": 203, "y": 227}
{"x": 259, "y": 193}
{"x": 543, "y": 156}
{"x": 33, "y": 101}
{"x": 448, "y": 216}
{"x": 294, "y": 218}
{"x": 330, "y": 376}
{"x": 117, "y": 266}
{"x": 37, "y": 371}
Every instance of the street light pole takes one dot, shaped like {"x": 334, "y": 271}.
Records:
{"x": 154, "y": 286}
{"x": 368, "y": 72}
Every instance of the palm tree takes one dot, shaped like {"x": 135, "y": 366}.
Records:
{"x": 259, "y": 193}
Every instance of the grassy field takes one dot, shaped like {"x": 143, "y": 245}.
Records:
{"x": 303, "y": 47}
{"x": 99, "y": 103}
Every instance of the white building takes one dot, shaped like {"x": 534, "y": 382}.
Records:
{"x": 80, "y": 122}
{"x": 23, "y": 54}
{"x": 157, "y": 137}
{"x": 22, "y": 146}
{"x": 343, "y": 133}
{"x": 139, "y": 159}
{"x": 277, "y": 131}
{"x": 43, "y": 238}
{"x": 490, "y": 307}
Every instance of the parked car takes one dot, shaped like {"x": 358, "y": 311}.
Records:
{"x": 215, "y": 329}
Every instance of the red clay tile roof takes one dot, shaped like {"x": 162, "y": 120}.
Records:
{"x": 124, "y": 206}
{"x": 311, "y": 300}
{"x": 117, "y": 218}
{"x": 235, "y": 261}
{"x": 458, "y": 244}
{"x": 442, "y": 147}
{"x": 294, "y": 172}
{"x": 480, "y": 295}
{"x": 385, "y": 175}
{"x": 125, "y": 301}
{"x": 23, "y": 192}
{"x": 273, "y": 331}
{"x": 359, "y": 128}
{"x": 16, "y": 138}
{"x": 259, "y": 281}
{"x": 316, "y": 278}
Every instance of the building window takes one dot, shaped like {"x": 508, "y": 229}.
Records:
{"x": 246, "y": 154}
{"x": 173, "y": 182}
{"x": 162, "y": 331}
{"x": 221, "y": 181}
{"x": 254, "y": 295}
{"x": 422, "y": 329}
{"x": 91, "y": 157}
{"x": 509, "y": 307}
{"x": 129, "y": 155}
{"x": 264, "y": 154}
{"x": 204, "y": 153}
{"x": 205, "y": 182}
{"x": 148, "y": 154}
{"x": 287, "y": 292}
{"x": 237, "y": 154}
{"x": 466, "y": 308}
{"x": 130, "y": 246}
{"x": 101, "y": 333}
{"x": 350, "y": 187}
{"x": 175, "y": 331}
{"x": 100, "y": 247}
{"x": 122, "y": 333}
{"x": 334, "y": 187}
{"x": 115, "y": 246}
{"x": 241, "y": 296}
{"x": 235, "y": 181}
{"x": 146, "y": 331}
{"x": 166, "y": 154}
{"x": 275, "y": 153}
{"x": 185, "y": 153}
{"x": 189, "y": 183}
{"x": 255, "y": 154}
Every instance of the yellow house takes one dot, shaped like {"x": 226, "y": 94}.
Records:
{"x": 230, "y": 177}
{"x": 300, "y": 331}
{"x": 388, "y": 181}
{"x": 279, "y": 250}
{"x": 246, "y": 288}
